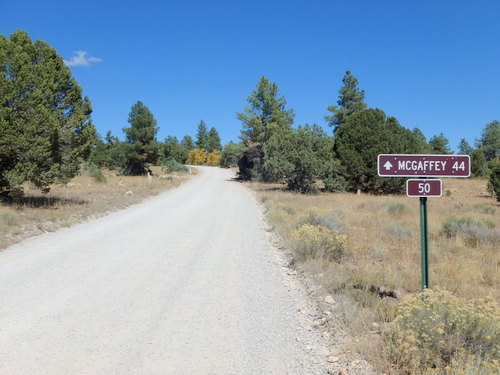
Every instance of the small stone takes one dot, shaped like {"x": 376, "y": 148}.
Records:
{"x": 329, "y": 299}
{"x": 332, "y": 359}
{"x": 324, "y": 352}
{"x": 129, "y": 193}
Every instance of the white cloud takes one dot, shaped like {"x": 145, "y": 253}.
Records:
{"x": 81, "y": 59}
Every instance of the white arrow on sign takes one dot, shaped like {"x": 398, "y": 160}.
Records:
{"x": 388, "y": 165}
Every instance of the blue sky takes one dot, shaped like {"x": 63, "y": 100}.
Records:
{"x": 431, "y": 64}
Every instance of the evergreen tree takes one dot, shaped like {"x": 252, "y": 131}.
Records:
{"x": 266, "y": 114}
{"x": 187, "y": 143}
{"x": 489, "y": 142}
{"x": 141, "y": 147}
{"x": 213, "y": 141}
{"x": 298, "y": 157}
{"x": 359, "y": 140}
{"x": 110, "y": 138}
{"x": 464, "y": 148}
{"x": 494, "y": 182}
{"x": 201, "y": 135}
{"x": 422, "y": 141}
{"x": 45, "y": 125}
{"x": 172, "y": 149}
{"x": 351, "y": 99}
{"x": 104, "y": 154}
{"x": 231, "y": 153}
{"x": 439, "y": 145}
{"x": 479, "y": 166}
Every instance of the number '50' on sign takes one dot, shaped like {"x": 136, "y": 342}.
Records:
{"x": 424, "y": 188}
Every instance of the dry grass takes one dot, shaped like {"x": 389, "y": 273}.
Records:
{"x": 383, "y": 235}
{"x": 81, "y": 199}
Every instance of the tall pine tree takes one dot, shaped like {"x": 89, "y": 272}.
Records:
{"x": 141, "y": 147}
{"x": 439, "y": 144}
{"x": 489, "y": 142}
{"x": 201, "y": 135}
{"x": 351, "y": 99}
{"x": 266, "y": 114}
{"x": 213, "y": 140}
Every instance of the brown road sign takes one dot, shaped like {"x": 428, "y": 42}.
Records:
{"x": 424, "y": 188}
{"x": 394, "y": 165}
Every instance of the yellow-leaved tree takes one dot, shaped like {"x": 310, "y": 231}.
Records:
{"x": 197, "y": 157}
{"x": 213, "y": 158}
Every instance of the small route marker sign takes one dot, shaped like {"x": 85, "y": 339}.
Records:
{"x": 394, "y": 165}
{"x": 424, "y": 188}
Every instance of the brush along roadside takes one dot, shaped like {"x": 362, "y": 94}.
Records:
{"x": 364, "y": 252}
{"x": 83, "y": 198}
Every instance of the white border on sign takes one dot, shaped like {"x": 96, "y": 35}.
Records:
{"x": 421, "y": 175}
{"x": 425, "y": 180}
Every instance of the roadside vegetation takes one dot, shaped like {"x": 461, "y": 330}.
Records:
{"x": 364, "y": 249}
{"x": 85, "y": 197}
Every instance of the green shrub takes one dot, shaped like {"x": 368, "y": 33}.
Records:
{"x": 10, "y": 218}
{"x": 287, "y": 208}
{"x": 399, "y": 231}
{"x": 95, "y": 172}
{"x": 335, "y": 183}
{"x": 331, "y": 221}
{"x": 494, "y": 181}
{"x": 264, "y": 198}
{"x": 312, "y": 242}
{"x": 474, "y": 230}
{"x": 397, "y": 208}
{"x": 485, "y": 208}
{"x": 173, "y": 165}
{"x": 435, "y": 330}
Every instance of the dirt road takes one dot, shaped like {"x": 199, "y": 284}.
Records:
{"x": 185, "y": 283}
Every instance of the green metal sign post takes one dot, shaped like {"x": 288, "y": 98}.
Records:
{"x": 424, "y": 243}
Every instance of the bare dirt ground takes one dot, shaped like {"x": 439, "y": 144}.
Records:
{"x": 187, "y": 282}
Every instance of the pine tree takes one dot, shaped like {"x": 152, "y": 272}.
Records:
{"x": 479, "y": 166}
{"x": 187, "y": 143}
{"x": 201, "y": 135}
{"x": 266, "y": 114}
{"x": 213, "y": 141}
{"x": 351, "y": 99}
{"x": 464, "y": 148}
{"x": 231, "y": 154}
{"x": 172, "y": 149}
{"x": 439, "y": 145}
{"x": 265, "y": 117}
{"x": 489, "y": 142}
{"x": 45, "y": 125}
{"x": 141, "y": 146}
{"x": 422, "y": 141}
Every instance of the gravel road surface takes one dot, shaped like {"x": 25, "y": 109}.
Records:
{"x": 187, "y": 282}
